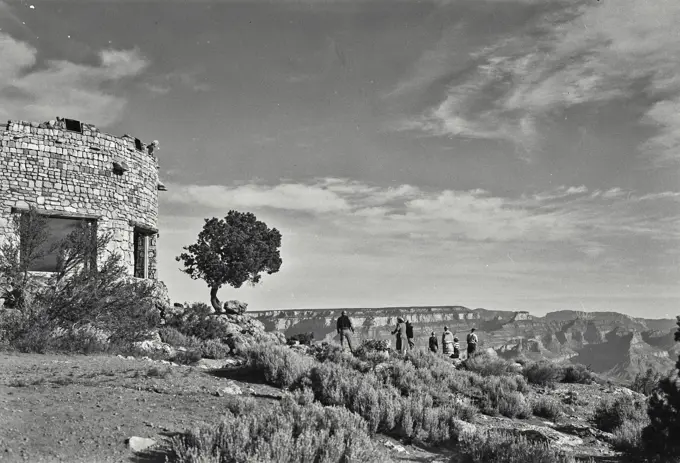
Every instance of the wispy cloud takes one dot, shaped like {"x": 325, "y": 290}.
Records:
{"x": 577, "y": 53}
{"x": 62, "y": 88}
{"x": 191, "y": 79}
{"x": 565, "y": 214}
{"x": 291, "y": 197}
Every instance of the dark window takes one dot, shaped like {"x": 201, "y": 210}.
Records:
{"x": 58, "y": 230}
{"x": 73, "y": 125}
{"x": 141, "y": 253}
{"x": 138, "y": 144}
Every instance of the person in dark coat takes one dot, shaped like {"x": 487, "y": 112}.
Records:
{"x": 434, "y": 343}
{"x": 345, "y": 330}
{"x": 409, "y": 335}
{"x": 400, "y": 331}
{"x": 471, "y": 343}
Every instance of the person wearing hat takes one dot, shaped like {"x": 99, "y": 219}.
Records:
{"x": 345, "y": 330}
{"x": 400, "y": 331}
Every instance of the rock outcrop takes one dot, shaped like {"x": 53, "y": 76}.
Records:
{"x": 239, "y": 330}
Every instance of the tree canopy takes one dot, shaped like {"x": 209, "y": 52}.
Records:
{"x": 233, "y": 250}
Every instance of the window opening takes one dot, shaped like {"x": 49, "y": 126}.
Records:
{"x": 141, "y": 253}
{"x": 57, "y": 231}
{"x": 73, "y": 125}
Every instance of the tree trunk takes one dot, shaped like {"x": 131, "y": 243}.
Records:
{"x": 217, "y": 305}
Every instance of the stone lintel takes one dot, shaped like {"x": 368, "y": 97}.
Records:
{"x": 143, "y": 227}
{"x": 58, "y": 214}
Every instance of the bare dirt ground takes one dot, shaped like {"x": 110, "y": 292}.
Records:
{"x": 57, "y": 408}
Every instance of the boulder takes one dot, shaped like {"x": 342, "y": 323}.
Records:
{"x": 160, "y": 296}
{"x": 139, "y": 444}
{"x": 229, "y": 389}
{"x": 229, "y": 324}
{"x": 155, "y": 346}
{"x": 212, "y": 364}
{"x": 234, "y": 306}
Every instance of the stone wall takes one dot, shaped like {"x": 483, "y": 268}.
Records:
{"x": 86, "y": 174}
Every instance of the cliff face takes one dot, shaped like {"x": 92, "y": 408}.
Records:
{"x": 610, "y": 342}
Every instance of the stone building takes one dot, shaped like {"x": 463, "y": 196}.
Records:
{"x": 72, "y": 174}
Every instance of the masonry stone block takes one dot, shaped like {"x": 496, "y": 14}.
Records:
{"x": 46, "y": 166}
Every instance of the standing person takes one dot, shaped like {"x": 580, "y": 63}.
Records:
{"x": 409, "y": 335}
{"x": 447, "y": 341}
{"x": 471, "y": 343}
{"x": 400, "y": 331}
{"x": 434, "y": 344}
{"x": 456, "y": 349}
{"x": 345, "y": 330}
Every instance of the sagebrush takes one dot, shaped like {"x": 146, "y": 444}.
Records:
{"x": 286, "y": 432}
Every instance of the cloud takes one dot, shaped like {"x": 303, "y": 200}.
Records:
{"x": 62, "y": 88}
{"x": 186, "y": 79}
{"x": 575, "y": 53}
{"x": 349, "y": 242}
{"x": 564, "y": 214}
{"x": 291, "y": 197}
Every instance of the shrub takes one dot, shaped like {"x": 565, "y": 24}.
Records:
{"x": 172, "y": 336}
{"x": 646, "y": 382}
{"x": 543, "y": 373}
{"x": 611, "y": 414}
{"x": 187, "y": 357}
{"x": 278, "y": 364}
{"x": 628, "y": 437}
{"x": 284, "y": 433}
{"x": 102, "y": 298}
{"x": 660, "y": 437}
{"x": 500, "y": 395}
{"x": 577, "y": 373}
{"x": 487, "y": 365}
{"x": 212, "y": 349}
{"x": 514, "y": 405}
{"x": 422, "y": 411}
{"x": 503, "y": 447}
{"x": 547, "y": 407}
{"x": 304, "y": 396}
{"x": 194, "y": 321}
{"x": 302, "y": 338}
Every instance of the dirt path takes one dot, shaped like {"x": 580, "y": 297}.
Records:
{"x": 77, "y": 409}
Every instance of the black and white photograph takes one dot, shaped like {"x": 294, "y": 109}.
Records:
{"x": 340, "y": 231}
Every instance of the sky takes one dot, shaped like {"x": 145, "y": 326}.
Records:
{"x": 505, "y": 154}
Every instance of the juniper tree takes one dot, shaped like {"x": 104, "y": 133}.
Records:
{"x": 233, "y": 250}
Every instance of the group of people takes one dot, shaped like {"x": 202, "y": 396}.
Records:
{"x": 405, "y": 338}
{"x": 451, "y": 344}
{"x": 404, "y": 333}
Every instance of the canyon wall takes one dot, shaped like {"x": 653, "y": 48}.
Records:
{"x": 610, "y": 342}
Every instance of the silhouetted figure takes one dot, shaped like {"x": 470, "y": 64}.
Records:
{"x": 471, "y": 343}
{"x": 434, "y": 344}
{"x": 400, "y": 331}
{"x": 345, "y": 330}
{"x": 409, "y": 335}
